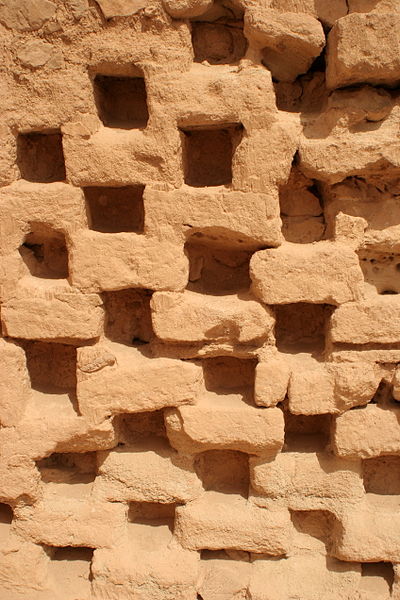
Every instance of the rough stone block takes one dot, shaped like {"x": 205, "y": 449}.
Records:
{"x": 218, "y": 521}
{"x": 271, "y": 382}
{"x": 366, "y": 432}
{"x": 122, "y": 260}
{"x": 324, "y": 272}
{"x": 233, "y": 425}
{"x": 364, "y": 48}
{"x": 375, "y": 543}
{"x": 59, "y": 315}
{"x": 146, "y": 472}
{"x": 373, "y": 321}
{"x": 238, "y": 319}
{"x": 306, "y": 480}
{"x": 290, "y": 41}
{"x": 111, "y": 381}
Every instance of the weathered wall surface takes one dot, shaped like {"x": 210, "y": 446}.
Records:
{"x": 200, "y": 278}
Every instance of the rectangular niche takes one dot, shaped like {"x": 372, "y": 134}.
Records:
{"x": 224, "y": 471}
{"x": 70, "y": 571}
{"x": 45, "y": 253}
{"x": 301, "y": 327}
{"x": 68, "y": 474}
{"x": 115, "y": 209}
{"x": 377, "y": 579}
{"x": 6, "y": 517}
{"x": 121, "y": 101}
{"x": 151, "y": 525}
{"x": 381, "y": 271}
{"x": 40, "y": 156}
{"x": 208, "y": 154}
{"x": 128, "y": 316}
{"x": 381, "y": 475}
{"x": 306, "y": 433}
{"x": 51, "y": 366}
{"x": 216, "y": 270}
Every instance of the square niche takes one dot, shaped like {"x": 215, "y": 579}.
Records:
{"x": 121, "y": 101}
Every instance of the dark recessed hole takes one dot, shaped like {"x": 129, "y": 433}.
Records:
{"x": 301, "y": 327}
{"x": 70, "y": 570}
{"x": 214, "y": 270}
{"x": 381, "y": 271}
{"x": 382, "y": 475}
{"x": 228, "y": 374}
{"x": 225, "y": 471}
{"x": 319, "y": 524}
{"x": 121, "y": 101}
{"x": 384, "y": 394}
{"x": 306, "y": 433}
{"x": 73, "y": 469}
{"x": 40, "y": 157}
{"x": 44, "y": 251}
{"x": 51, "y": 367}
{"x": 208, "y": 154}
{"x": 152, "y": 513}
{"x": 115, "y": 209}
{"x": 69, "y": 553}
{"x": 136, "y": 427}
{"x": 6, "y": 514}
{"x": 377, "y": 579}
{"x": 128, "y": 316}
{"x": 301, "y": 210}
{"x": 221, "y": 42}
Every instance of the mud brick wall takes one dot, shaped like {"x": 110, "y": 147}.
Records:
{"x": 200, "y": 310}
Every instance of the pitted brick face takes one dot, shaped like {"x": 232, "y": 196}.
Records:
{"x": 199, "y": 281}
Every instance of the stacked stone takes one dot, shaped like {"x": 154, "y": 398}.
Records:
{"x": 200, "y": 264}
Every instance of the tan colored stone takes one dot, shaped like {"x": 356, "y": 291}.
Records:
{"x": 122, "y": 260}
{"x": 62, "y": 315}
{"x": 375, "y": 543}
{"x": 248, "y": 219}
{"x": 219, "y": 521}
{"x": 149, "y": 471}
{"x": 236, "y": 318}
{"x": 290, "y": 41}
{"x": 220, "y": 577}
{"x": 133, "y": 385}
{"x": 350, "y": 230}
{"x": 307, "y": 480}
{"x": 327, "y": 12}
{"x": 160, "y": 571}
{"x": 18, "y": 475}
{"x": 37, "y": 54}
{"x": 120, "y": 8}
{"x": 325, "y": 272}
{"x": 199, "y": 377}
{"x": 233, "y": 425}
{"x": 317, "y": 387}
{"x": 367, "y": 432}
{"x": 363, "y": 48}
{"x": 23, "y": 567}
{"x": 62, "y": 521}
{"x": 373, "y": 321}
{"x": 271, "y": 382}
{"x": 24, "y": 15}
{"x": 342, "y": 141}
{"x": 186, "y": 9}
{"x": 286, "y": 579}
